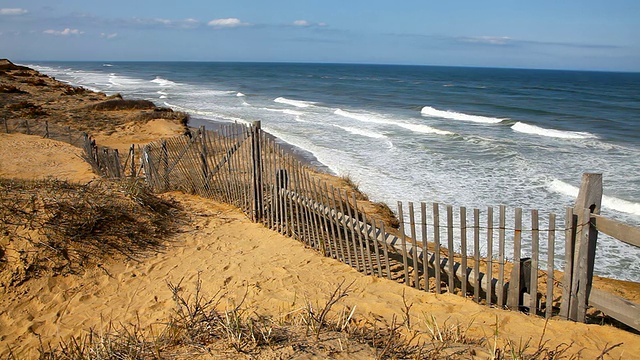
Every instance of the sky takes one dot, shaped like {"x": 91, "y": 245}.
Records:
{"x": 542, "y": 34}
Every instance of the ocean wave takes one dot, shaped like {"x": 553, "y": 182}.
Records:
{"x": 608, "y": 202}
{"x": 536, "y": 130}
{"x": 296, "y": 103}
{"x": 239, "y": 94}
{"x": 285, "y": 111}
{"x": 424, "y": 129}
{"x": 207, "y": 114}
{"x": 362, "y": 132}
{"x": 163, "y": 82}
{"x": 107, "y": 65}
{"x": 370, "y": 118}
{"x": 452, "y": 115}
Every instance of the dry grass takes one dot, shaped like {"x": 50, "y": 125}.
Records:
{"x": 58, "y": 226}
{"x": 200, "y": 325}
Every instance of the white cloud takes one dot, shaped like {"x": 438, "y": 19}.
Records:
{"x": 108, "y": 36}
{"x": 305, "y": 23}
{"x": 301, "y": 23}
{"x": 64, "y": 32}
{"x": 180, "y": 24}
{"x": 12, "y": 11}
{"x": 228, "y": 23}
{"x": 490, "y": 40}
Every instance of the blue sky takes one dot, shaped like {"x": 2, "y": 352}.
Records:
{"x": 559, "y": 34}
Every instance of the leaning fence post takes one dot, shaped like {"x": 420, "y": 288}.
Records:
{"x": 46, "y": 129}
{"x": 6, "y": 127}
{"x": 26, "y": 123}
{"x": 132, "y": 155}
{"x": 584, "y": 244}
{"x": 256, "y": 155}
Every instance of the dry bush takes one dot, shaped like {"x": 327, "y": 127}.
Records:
{"x": 10, "y": 89}
{"x": 59, "y": 226}
{"x": 162, "y": 113}
{"x": 119, "y": 104}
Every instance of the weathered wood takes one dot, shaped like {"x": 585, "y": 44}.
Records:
{"x": 425, "y": 252}
{"x": 589, "y": 197}
{"x": 618, "y": 308}
{"x": 403, "y": 242}
{"x": 533, "y": 281}
{"x": 463, "y": 251}
{"x": 367, "y": 240}
{"x": 386, "y": 252}
{"x": 476, "y": 255}
{"x": 513, "y": 298}
{"x": 626, "y": 233}
{"x": 489, "y": 271}
{"x": 550, "y": 267}
{"x": 584, "y": 275}
{"x": 46, "y": 129}
{"x": 500, "y": 289}
{"x": 414, "y": 248}
{"x": 450, "y": 264}
{"x": 26, "y": 124}
{"x": 344, "y": 241}
{"x": 569, "y": 244}
{"x": 376, "y": 247}
{"x": 353, "y": 261}
{"x": 436, "y": 253}
{"x": 6, "y": 127}
{"x": 353, "y": 235}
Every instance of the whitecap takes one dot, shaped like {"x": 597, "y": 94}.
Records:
{"x": 424, "y": 129}
{"x": 370, "y": 118}
{"x": 296, "y": 103}
{"x": 452, "y": 115}
{"x": 608, "y": 202}
{"x": 536, "y": 130}
{"x": 163, "y": 82}
{"x": 239, "y": 94}
{"x": 362, "y": 132}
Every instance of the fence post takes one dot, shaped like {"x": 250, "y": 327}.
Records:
{"x": 165, "y": 164}
{"x": 26, "y": 123}
{"x": 46, "y": 129}
{"x": 256, "y": 155}
{"x": 6, "y": 127}
{"x": 132, "y": 155}
{"x": 584, "y": 245}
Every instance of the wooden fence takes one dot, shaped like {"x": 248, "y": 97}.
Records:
{"x": 438, "y": 249}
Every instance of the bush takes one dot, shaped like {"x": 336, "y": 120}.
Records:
{"x": 119, "y": 104}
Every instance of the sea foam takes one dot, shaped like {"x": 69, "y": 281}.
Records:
{"x": 452, "y": 115}
{"x": 536, "y": 130}
{"x": 362, "y": 132}
{"x": 296, "y": 103}
{"x": 163, "y": 82}
{"x": 424, "y": 129}
{"x": 609, "y": 202}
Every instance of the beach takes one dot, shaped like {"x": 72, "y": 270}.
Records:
{"x": 240, "y": 262}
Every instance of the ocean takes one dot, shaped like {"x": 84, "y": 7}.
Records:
{"x": 473, "y": 137}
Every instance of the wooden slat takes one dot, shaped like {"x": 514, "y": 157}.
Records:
{"x": 403, "y": 242}
{"x": 568, "y": 263}
{"x": 425, "y": 252}
{"x": 367, "y": 239}
{"x": 489, "y": 271}
{"x": 476, "y": 255}
{"x": 436, "y": 240}
{"x": 376, "y": 247}
{"x": 583, "y": 273}
{"x": 500, "y": 289}
{"x": 450, "y": 264}
{"x": 356, "y": 215}
{"x": 344, "y": 240}
{"x": 621, "y": 231}
{"x": 618, "y": 308}
{"x": 513, "y": 298}
{"x": 550, "y": 267}
{"x": 386, "y": 252}
{"x": 414, "y": 248}
{"x": 535, "y": 241}
{"x": 356, "y": 250}
{"x": 463, "y": 251}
